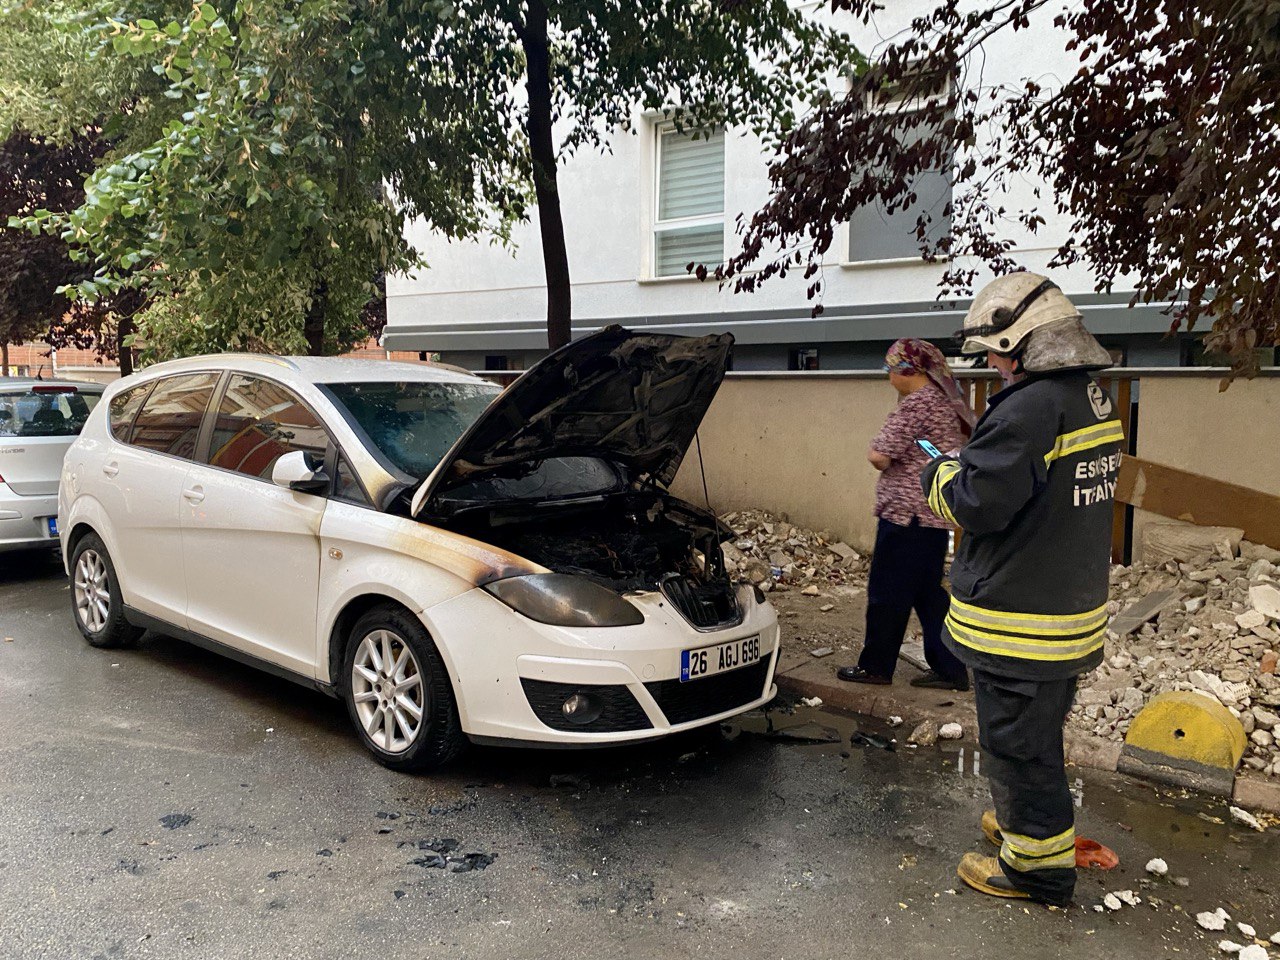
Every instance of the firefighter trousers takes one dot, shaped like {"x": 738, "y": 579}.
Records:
{"x": 1020, "y": 731}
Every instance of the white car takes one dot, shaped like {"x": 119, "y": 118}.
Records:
{"x": 39, "y": 419}
{"x": 452, "y": 560}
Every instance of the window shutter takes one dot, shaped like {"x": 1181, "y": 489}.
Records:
{"x": 692, "y": 183}
{"x": 690, "y": 188}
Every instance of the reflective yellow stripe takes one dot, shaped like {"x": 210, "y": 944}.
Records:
{"x": 1027, "y": 853}
{"x": 1034, "y": 624}
{"x": 1086, "y": 439}
{"x": 1033, "y": 847}
{"x": 1024, "y": 648}
{"x": 937, "y": 503}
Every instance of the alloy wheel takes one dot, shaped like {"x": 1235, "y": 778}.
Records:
{"x": 93, "y": 591}
{"x": 387, "y": 688}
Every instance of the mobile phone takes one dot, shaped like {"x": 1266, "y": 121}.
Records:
{"x": 929, "y": 448}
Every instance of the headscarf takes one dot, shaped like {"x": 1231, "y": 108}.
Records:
{"x": 921, "y": 356}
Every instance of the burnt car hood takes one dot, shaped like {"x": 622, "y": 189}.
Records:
{"x": 635, "y": 399}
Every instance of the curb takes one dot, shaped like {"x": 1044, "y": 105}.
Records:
{"x": 1093, "y": 753}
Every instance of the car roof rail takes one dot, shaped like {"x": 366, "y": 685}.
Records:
{"x": 241, "y": 355}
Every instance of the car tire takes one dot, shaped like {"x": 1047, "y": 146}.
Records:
{"x": 99, "y": 618}
{"x": 385, "y": 651}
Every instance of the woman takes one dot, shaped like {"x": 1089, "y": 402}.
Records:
{"x": 911, "y": 541}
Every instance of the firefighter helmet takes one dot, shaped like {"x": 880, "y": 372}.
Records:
{"x": 1026, "y": 314}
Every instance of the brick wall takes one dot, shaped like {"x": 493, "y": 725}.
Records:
{"x": 30, "y": 357}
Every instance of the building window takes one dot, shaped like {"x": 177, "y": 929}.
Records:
{"x": 496, "y": 361}
{"x": 688, "y": 217}
{"x": 878, "y": 234}
{"x": 803, "y": 358}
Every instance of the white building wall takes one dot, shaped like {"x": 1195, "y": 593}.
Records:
{"x": 480, "y": 297}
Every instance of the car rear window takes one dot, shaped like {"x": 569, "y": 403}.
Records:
{"x": 413, "y": 424}
{"x": 46, "y": 411}
{"x": 169, "y": 420}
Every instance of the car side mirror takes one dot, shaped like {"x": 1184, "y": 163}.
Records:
{"x": 294, "y": 471}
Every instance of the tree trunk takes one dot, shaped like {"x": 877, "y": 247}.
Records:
{"x": 313, "y": 325}
{"x": 124, "y": 328}
{"x": 555, "y": 258}
{"x": 4, "y": 359}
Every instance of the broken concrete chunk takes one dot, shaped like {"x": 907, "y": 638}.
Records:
{"x": 1111, "y": 902}
{"x": 826, "y": 608}
{"x": 1213, "y": 921}
{"x": 1229, "y": 946}
{"x": 821, "y": 652}
{"x": 811, "y": 701}
{"x": 925, "y": 734}
{"x": 951, "y": 731}
{"x": 1254, "y": 952}
{"x": 1250, "y": 619}
{"x": 845, "y": 552}
{"x": 1247, "y": 930}
{"x": 1247, "y": 819}
{"x": 810, "y": 591}
{"x": 1157, "y": 867}
{"x": 1265, "y": 599}
{"x": 1163, "y": 542}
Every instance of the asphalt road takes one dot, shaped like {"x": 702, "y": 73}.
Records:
{"x": 164, "y": 802}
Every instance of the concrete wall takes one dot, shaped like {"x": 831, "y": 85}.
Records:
{"x": 793, "y": 444}
{"x": 796, "y": 443}
{"x": 1185, "y": 422}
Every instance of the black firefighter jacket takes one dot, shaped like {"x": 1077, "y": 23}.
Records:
{"x": 1033, "y": 494}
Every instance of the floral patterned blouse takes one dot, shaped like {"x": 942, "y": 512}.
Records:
{"x": 923, "y": 415}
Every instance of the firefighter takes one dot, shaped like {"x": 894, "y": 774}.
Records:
{"x": 1032, "y": 493}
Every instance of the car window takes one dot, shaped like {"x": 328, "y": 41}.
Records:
{"x": 169, "y": 420}
{"x": 122, "y": 408}
{"x": 53, "y": 410}
{"x": 258, "y": 422}
{"x": 346, "y": 486}
{"x": 413, "y": 424}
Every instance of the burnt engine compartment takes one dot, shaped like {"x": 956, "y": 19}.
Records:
{"x": 628, "y": 541}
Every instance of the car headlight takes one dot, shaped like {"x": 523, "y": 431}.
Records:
{"x": 563, "y": 600}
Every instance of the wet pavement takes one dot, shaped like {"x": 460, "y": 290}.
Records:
{"x": 165, "y": 802}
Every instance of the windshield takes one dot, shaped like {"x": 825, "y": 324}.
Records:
{"x": 52, "y": 411}
{"x": 413, "y": 424}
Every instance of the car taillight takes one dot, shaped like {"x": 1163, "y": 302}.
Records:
{"x": 52, "y": 388}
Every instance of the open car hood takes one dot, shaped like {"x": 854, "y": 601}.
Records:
{"x": 635, "y": 399}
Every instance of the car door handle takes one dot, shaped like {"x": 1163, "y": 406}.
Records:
{"x": 194, "y": 494}
{"x": 110, "y": 469}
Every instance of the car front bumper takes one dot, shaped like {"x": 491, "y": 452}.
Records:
{"x": 24, "y": 521}
{"x": 510, "y": 673}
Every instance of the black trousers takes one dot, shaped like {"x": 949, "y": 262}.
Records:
{"x": 906, "y": 574}
{"x": 1020, "y": 731}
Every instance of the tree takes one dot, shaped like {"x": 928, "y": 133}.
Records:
{"x": 1161, "y": 150}
{"x": 248, "y": 197}
{"x": 272, "y": 150}
{"x": 35, "y": 174}
{"x": 549, "y": 78}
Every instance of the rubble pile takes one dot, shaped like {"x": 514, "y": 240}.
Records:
{"x": 1218, "y": 634}
{"x": 777, "y": 555}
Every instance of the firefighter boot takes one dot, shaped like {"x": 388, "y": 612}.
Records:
{"x": 985, "y": 876}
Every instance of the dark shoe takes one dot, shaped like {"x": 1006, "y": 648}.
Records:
{"x": 858, "y": 675}
{"x": 935, "y": 681}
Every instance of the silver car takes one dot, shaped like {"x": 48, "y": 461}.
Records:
{"x": 39, "y": 420}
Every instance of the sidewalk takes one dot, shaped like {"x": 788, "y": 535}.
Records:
{"x": 806, "y": 627}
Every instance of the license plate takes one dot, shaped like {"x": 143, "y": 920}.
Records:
{"x": 696, "y": 664}
{"x": 53, "y": 526}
